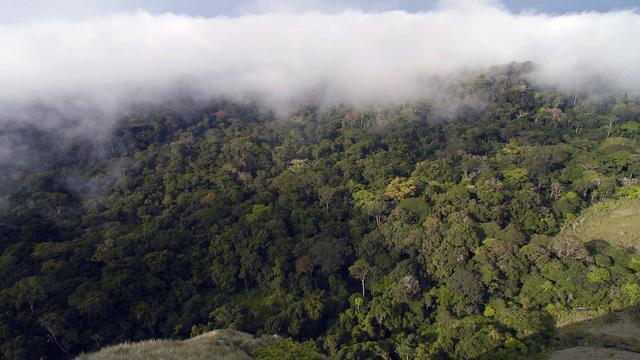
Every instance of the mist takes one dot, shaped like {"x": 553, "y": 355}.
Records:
{"x": 92, "y": 69}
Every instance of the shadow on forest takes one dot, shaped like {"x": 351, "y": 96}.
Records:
{"x": 613, "y": 330}
{"x": 618, "y": 330}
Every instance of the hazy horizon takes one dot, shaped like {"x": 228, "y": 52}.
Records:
{"x": 92, "y": 66}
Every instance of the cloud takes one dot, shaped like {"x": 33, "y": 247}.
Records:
{"x": 349, "y": 56}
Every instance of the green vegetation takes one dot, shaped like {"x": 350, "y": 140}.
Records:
{"x": 380, "y": 233}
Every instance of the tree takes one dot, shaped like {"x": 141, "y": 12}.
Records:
{"x": 568, "y": 247}
{"x": 52, "y": 323}
{"x": 329, "y": 253}
{"x": 29, "y": 290}
{"x": 406, "y": 288}
{"x": 287, "y": 349}
{"x": 599, "y": 275}
{"x": 372, "y": 204}
{"x": 400, "y": 188}
{"x": 326, "y": 194}
{"x": 468, "y": 291}
{"x": 406, "y": 347}
{"x": 360, "y": 270}
{"x": 631, "y": 128}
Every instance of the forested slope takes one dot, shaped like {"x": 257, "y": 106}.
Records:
{"x": 420, "y": 230}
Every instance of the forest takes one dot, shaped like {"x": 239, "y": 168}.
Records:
{"x": 410, "y": 231}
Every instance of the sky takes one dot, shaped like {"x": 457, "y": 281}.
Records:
{"x": 24, "y": 11}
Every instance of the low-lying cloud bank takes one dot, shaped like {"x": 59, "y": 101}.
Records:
{"x": 351, "y": 57}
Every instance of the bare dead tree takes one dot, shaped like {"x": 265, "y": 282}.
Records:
{"x": 568, "y": 247}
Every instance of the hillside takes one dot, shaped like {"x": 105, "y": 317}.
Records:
{"x": 591, "y": 353}
{"x": 424, "y": 230}
{"x": 613, "y": 335}
{"x": 216, "y": 344}
{"x": 616, "y": 221}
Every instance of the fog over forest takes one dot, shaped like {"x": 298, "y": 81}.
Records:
{"x": 350, "y": 56}
{"x": 300, "y": 179}
{"x": 92, "y": 70}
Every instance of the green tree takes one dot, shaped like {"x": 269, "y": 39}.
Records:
{"x": 360, "y": 270}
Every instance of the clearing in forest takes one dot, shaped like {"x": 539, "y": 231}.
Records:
{"x": 615, "y": 221}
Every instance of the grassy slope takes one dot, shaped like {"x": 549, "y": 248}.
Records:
{"x": 616, "y": 221}
{"x": 592, "y": 353}
{"x": 616, "y": 336}
{"x": 217, "y": 344}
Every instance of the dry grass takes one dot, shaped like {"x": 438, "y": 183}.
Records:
{"x": 624, "y": 327}
{"x": 615, "y": 335}
{"x": 217, "y": 344}
{"x": 593, "y": 353}
{"x": 616, "y": 221}
{"x": 569, "y": 317}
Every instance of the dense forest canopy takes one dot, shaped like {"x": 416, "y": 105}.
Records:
{"x": 393, "y": 232}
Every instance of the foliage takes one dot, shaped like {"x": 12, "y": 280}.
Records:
{"x": 287, "y": 349}
{"x": 342, "y": 230}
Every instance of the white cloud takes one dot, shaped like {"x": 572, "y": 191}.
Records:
{"x": 349, "y": 56}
